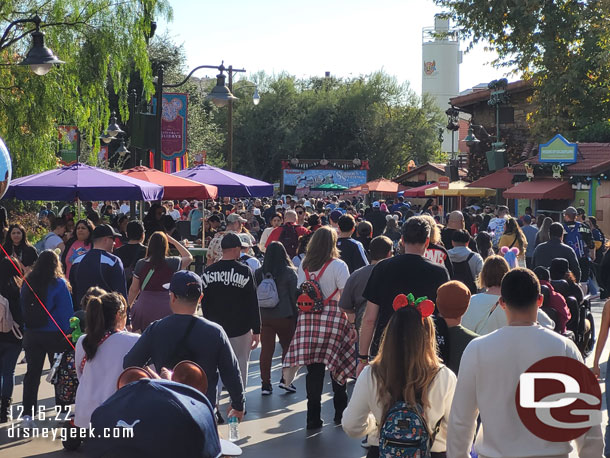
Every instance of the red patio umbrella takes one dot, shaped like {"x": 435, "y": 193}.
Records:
{"x": 175, "y": 187}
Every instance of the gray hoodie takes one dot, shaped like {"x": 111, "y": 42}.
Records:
{"x": 461, "y": 253}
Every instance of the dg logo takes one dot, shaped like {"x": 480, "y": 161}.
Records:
{"x": 559, "y": 399}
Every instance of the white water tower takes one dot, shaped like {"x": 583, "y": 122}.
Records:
{"x": 441, "y": 68}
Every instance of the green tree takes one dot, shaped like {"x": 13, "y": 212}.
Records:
{"x": 100, "y": 41}
{"x": 562, "y": 45}
{"x": 370, "y": 117}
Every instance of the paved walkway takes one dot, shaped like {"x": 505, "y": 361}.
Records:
{"x": 274, "y": 425}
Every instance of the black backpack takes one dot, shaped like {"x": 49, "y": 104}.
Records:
{"x": 290, "y": 239}
{"x": 462, "y": 272}
{"x": 34, "y": 315}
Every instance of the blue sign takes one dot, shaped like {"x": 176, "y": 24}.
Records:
{"x": 558, "y": 149}
{"x": 312, "y": 178}
{"x": 6, "y": 169}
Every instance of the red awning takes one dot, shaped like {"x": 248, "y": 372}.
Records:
{"x": 541, "y": 189}
{"x": 175, "y": 188}
{"x": 501, "y": 179}
{"x": 420, "y": 191}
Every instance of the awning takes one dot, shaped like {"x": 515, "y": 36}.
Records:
{"x": 501, "y": 179}
{"x": 541, "y": 189}
{"x": 459, "y": 188}
{"x": 420, "y": 191}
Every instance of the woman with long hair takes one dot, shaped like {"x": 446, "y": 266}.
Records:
{"x": 406, "y": 369}
{"x": 42, "y": 336}
{"x": 280, "y": 320}
{"x": 484, "y": 247}
{"x": 513, "y": 237}
{"x": 153, "y": 221}
{"x": 392, "y": 231}
{"x": 327, "y": 338}
{"x": 10, "y": 341}
{"x": 80, "y": 242}
{"x": 543, "y": 234}
{"x": 100, "y": 352}
{"x": 3, "y": 224}
{"x": 148, "y": 298}
{"x": 18, "y": 246}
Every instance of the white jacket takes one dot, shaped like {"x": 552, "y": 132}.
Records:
{"x": 363, "y": 413}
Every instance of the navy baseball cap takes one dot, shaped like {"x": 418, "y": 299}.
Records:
{"x": 335, "y": 215}
{"x": 185, "y": 283}
{"x": 167, "y": 419}
{"x": 104, "y": 230}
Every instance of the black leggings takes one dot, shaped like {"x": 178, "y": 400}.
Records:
{"x": 314, "y": 382}
{"x": 37, "y": 345}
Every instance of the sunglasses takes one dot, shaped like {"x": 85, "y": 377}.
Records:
{"x": 300, "y": 213}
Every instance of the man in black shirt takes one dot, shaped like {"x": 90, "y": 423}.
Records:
{"x": 402, "y": 274}
{"x": 230, "y": 300}
{"x": 98, "y": 266}
{"x": 352, "y": 251}
{"x": 184, "y": 336}
{"x": 133, "y": 251}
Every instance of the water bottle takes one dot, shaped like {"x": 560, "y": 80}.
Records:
{"x": 233, "y": 429}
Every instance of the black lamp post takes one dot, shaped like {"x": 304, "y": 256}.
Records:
{"x": 496, "y": 158}
{"x": 39, "y": 58}
{"x": 453, "y": 125}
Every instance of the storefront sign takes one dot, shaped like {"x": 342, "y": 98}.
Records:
{"x": 68, "y": 143}
{"x": 558, "y": 149}
{"x": 443, "y": 182}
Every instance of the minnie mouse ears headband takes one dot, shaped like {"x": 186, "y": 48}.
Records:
{"x": 422, "y": 304}
{"x": 505, "y": 250}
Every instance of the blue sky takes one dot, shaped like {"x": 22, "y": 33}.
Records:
{"x": 345, "y": 37}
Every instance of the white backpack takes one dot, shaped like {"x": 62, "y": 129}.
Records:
{"x": 267, "y": 293}
{"x": 7, "y": 324}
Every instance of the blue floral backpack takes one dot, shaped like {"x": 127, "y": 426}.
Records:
{"x": 405, "y": 434}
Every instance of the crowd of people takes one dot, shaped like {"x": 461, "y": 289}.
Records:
{"x": 422, "y": 309}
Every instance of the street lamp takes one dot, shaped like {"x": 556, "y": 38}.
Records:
{"x": 112, "y": 130}
{"x": 471, "y": 138}
{"x": 39, "y": 58}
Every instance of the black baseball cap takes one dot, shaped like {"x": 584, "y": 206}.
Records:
{"x": 230, "y": 240}
{"x": 104, "y": 230}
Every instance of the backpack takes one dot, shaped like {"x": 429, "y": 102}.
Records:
{"x": 404, "y": 432}
{"x": 266, "y": 292}
{"x": 7, "y": 324}
{"x": 311, "y": 299}
{"x": 574, "y": 240}
{"x": 290, "y": 239}
{"x": 34, "y": 315}
{"x": 40, "y": 244}
{"x": 462, "y": 272}
{"x": 64, "y": 377}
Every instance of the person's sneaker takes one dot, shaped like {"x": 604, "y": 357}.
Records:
{"x": 27, "y": 422}
{"x": 315, "y": 424}
{"x": 365, "y": 442}
{"x": 290, "y": 388}
{"x": 266, "y": 389}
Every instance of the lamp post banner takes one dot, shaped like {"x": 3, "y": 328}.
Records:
{"x": 68, "y": 143}
{"x": 174, "y": 125}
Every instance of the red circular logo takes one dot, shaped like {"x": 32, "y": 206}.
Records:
{"x": 558, "y": 399}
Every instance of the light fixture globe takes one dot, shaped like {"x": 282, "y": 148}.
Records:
{"x": 471, "y": 139}
{"x": 113, "y": 128}
{"x": 256, "y": 98}
{"x": 221, "y": 94}
{"x": 40, "y": 59}
{"x": 122, "y": 149}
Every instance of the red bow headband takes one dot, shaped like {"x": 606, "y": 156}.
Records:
{"x": 423, "y": 305}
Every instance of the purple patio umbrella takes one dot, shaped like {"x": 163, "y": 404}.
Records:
{"x": 229, "y": 184}
{"x": 84, "y": 182}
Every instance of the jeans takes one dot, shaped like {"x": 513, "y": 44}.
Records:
{"x": 284, "y": 329}
{"x": 9, "y": 353}
{"x": 314, "y": 382}
{"x": 37, "y": 345}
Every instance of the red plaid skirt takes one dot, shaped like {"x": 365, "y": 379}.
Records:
{"x": 324, "y": 338}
